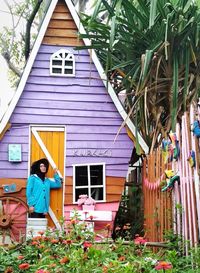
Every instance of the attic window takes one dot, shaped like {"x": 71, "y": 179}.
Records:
{"x": 62, "y": 63}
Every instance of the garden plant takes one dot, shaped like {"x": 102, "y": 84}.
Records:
{"x": 75, "y": 248}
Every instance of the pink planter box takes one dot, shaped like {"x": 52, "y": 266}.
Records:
{"x": 88, "y": 207}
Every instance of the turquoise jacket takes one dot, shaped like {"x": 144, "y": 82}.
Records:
{"x": 38, "y": 192}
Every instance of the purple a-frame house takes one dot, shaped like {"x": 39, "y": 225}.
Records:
{"x": 65, "y": 110}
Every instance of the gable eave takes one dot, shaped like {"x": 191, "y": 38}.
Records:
{"x": 28, "y": 66}
{"x": 107, "y": 84}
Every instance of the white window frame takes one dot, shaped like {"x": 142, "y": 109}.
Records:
{"x": 89, "y": 181}
{"x": 56, "y": 57}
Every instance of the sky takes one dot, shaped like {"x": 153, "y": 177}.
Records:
{"x": 6, "y": 91}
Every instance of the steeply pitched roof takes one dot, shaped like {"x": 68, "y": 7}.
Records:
{"x": 95, "y": 59}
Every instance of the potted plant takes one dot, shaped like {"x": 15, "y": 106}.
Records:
{"x": 87, "y": 203}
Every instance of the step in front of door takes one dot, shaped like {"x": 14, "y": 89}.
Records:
{"x": 34, "y": 226}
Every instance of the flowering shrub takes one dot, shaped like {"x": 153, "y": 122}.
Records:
{"x": 74, "y": 249}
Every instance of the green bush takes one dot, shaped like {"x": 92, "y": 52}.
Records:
{"x": 76, "y": 249}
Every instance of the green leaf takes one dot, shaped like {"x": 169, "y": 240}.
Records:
{"x": 153, "y": 7}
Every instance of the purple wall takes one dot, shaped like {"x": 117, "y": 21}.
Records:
{"x": 82, "y": 104}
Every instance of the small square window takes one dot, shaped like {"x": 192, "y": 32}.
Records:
{"x": 90, "y": 180}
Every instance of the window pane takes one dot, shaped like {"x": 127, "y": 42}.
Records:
{"x": 68, "y": 71}
{"x": 56, "y": 62}
{"x": 97, "y": 193}
{"x": 79, "y": 192}
{"x": 81, "y": 176}
{"x": 57, "y": 70}
{"x": 68, "y": 63}
{"x": 96, "y": 175}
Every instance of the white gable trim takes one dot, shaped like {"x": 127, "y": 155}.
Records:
{"x": 96, "y": 61}
{"x": 28, "y": 66}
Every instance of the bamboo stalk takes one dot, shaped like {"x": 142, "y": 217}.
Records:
{"x": 185, "y": 208}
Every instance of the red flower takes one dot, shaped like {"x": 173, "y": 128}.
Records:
{"x": 68, "y": 241}
{"x": 87, "y": 244}
{"x": 41, "y": 232}
{"x": 163, "y": 265}
{"x": 20, "y": 257}
{"x": 54, "y": 241}
{"x": 34, "y": 243}
{"x": 122, "y": 258}
{"x": 140, "y": 240}
{"x": 73, "y": 221}
{"x": 108, "y": 226}
{"x": 64, "y": 260}
{"x": 41, "y": 246}
{"x": 24, "y": 266}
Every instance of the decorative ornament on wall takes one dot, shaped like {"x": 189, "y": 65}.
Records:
{"x": 14, "y": 152}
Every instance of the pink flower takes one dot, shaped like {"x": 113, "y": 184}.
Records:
{"x": 87, "y": 244}
{"x": 41, "y": 232}
{"x": 20, "y": 257}
{"x": 67, "y": 242}
{"x": 162, "y": 265}
{"x": 24, "y": 266}
{"x": 140, "y": 240}
{"x": 54, "y": 241}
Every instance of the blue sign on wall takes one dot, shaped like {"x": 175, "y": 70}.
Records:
{"x": 9, "y": 188}
{"x": 14, "y": 152}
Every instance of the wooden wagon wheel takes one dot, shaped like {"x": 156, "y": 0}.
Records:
{"x": 13, "y": 219}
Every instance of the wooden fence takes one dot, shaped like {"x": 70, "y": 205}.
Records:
{"x": 179, "y": 208}
{"x": 157, "y": 204}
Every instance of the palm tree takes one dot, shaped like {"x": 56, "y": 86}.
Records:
{"x": 150, "y": 49}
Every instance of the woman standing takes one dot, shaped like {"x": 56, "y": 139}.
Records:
{"x": 38, "y": 188}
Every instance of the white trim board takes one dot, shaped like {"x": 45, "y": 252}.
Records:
{"x": 96, "y": 61}
{"x": 89, "y": 181}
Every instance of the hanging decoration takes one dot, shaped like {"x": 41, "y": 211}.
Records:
{"x": 171, "y": 178}
{"x": 153, "y": 185}
{"x": 196, "y": 128}
{"x": 170, "y": 148}
{"x": 191, "y": 159}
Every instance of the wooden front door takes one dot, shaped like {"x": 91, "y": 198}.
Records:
{"x": 49, "y": 142}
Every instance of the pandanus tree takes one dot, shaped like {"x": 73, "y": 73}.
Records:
{"x": 151, "y": 51}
